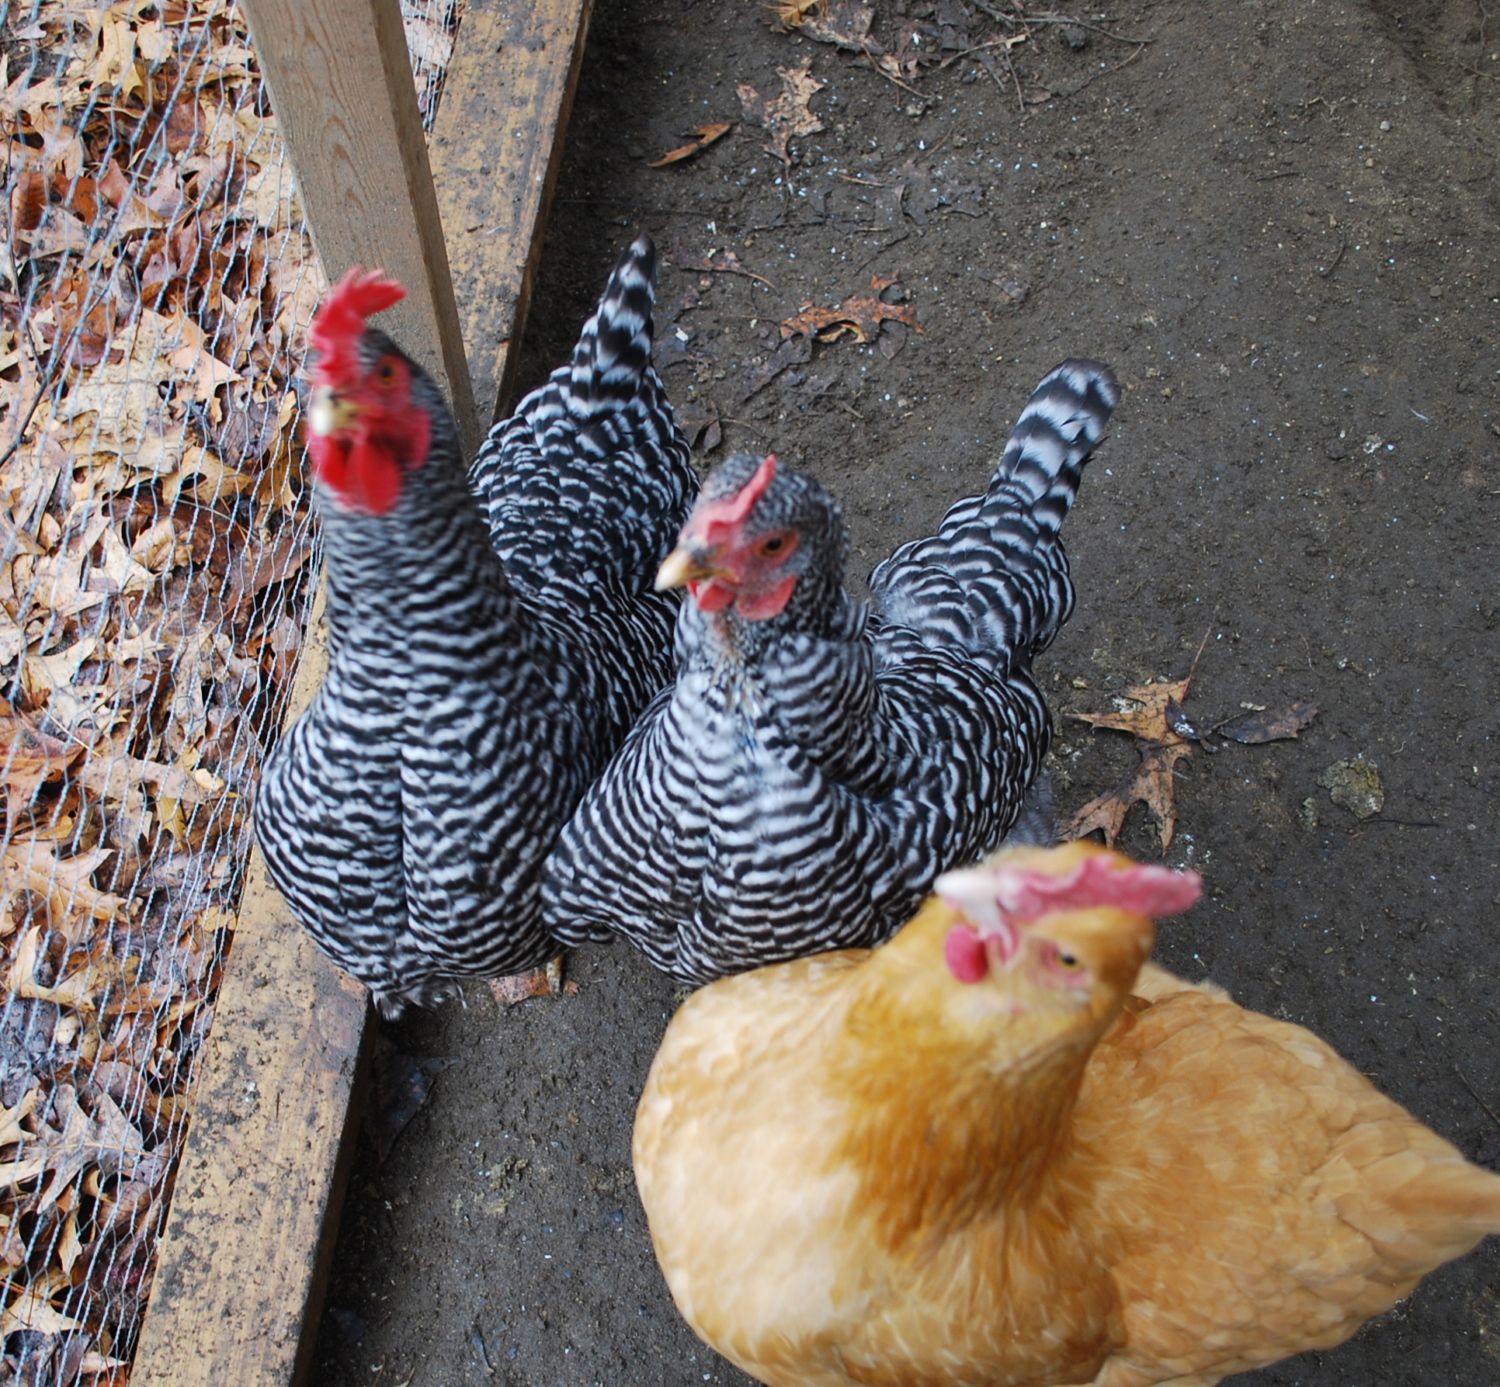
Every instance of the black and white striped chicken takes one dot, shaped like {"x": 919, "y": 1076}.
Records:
{"x": 488, "y": 652}
{"x": 816, "y": 765}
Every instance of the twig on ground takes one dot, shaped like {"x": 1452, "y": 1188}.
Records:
{"x": 1010, "y": 67}
{"x": 1006, "y": 43}
{"x": 1071, "y": 20}
{"x": 1338, "y": 256}
{"x": 744, "y": 424}
{"x": 707, "y": 266}
{"x": 892, "y": 78}
{"x": 1105, "y": 72}
{"x": 875, "y": 255}
{"x": 1084, "y": 24}
{"x": 1494, "y": 1116}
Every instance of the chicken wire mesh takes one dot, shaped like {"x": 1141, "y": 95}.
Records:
{"x": 156, "y": 281}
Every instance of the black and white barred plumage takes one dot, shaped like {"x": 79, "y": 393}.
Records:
{"x": 487, "y": 656}
{"x": 810, "y": 773}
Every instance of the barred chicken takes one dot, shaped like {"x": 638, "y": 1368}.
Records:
{"x": 489, "y": 648}
{"x": 978, "y": 1157}
{"x": 817, "y": 765}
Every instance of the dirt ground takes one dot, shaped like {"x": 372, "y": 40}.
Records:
{"x": 1280, "y": 222}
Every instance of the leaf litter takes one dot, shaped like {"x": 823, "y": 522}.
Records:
{"x": 156, "y": 280}
{"x": 1164, "y": 735}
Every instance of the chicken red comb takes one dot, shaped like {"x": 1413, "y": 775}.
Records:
{"x": 720, "y": 516}
{"x": 341, "y": 318}
{"x": 1139, "y": 888}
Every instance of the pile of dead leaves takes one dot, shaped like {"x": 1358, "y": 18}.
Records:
{"x": 155, "y": 284}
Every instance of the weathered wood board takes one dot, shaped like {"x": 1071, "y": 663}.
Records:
{"x": 252, "y": 1221}
{"x": 343, "y": 94}
{"x": 496, "y": 169}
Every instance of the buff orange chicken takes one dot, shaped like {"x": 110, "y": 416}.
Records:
{"x": 993, "y": 1153}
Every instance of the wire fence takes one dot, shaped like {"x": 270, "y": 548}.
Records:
{"x": 156, "y": 559}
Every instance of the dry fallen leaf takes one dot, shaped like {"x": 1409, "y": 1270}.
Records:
{"x": 844, "y": 23}
{"x": 30, "y": 759}
{"x": 1268, "y": 726}
{"x": 402, "y": 1084}
{"x": 1150, "y": 783}
{"x": 1156, "y": 723}
{"x": 156, "y": 533}
{"x": 11, "y": 1130}
{"x": 32, "y": 1311}
{"x": 859, "y": 316}
{"x": 1164, "y": 735}
{"x": 728, "y": 263}
{"x": 1150, "y": 719}
{"x": 539, "y": 982}
{"x": 794, "y": 351}
{"x": 429, "y": 42}
{"x": 107, "y": 1139}
{"x": 791, "y": 13}
{"x": 707, "y": 135}
{"x": 787, "y": 115}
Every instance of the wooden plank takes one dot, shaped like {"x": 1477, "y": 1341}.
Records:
{"x": 514, "y": 73}
{"x": 253, "y": 1218}
{"x": 251, "y": 1224}
{"x": 342, "y": 90}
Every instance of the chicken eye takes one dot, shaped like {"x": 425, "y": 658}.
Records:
{"x": 773, "y": 546}
{"x": 385, "y": 372}
{"x": 1068, "y": 961}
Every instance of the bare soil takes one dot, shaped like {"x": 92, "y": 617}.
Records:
{"x": 1280, "y": 222}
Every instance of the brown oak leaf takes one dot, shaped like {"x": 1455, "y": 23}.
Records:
{"x": 1150, "y": 783}
{"x": 786, "y": 115}
{"x": 1268, "y": 725}
{"x": 859, "y": 316}
{"x": 1162, "y": 733}
{"x": 107, "y": 1140}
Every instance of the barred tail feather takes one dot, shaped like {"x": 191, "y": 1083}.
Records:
{"x": 993, "y": 581}
{"x": 614, "y": 348}
{"x": 1060, "y": 426}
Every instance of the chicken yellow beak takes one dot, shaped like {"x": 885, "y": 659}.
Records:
{"x": 330, "y": 413}
{"x": 687, "y": 564}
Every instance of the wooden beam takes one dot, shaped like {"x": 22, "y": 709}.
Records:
{"x": 342, "y": 90}
{"x": 514, "y": 74}
{"x": 252, "y": 1220}
{"x": 251, "y": 1224}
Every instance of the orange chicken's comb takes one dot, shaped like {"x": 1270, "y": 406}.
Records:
{"x": 997, "y": 900}
{"x": 1140, "y": 888}
{"x": 993, "y": 895}
{"x": 341, "y": 318}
